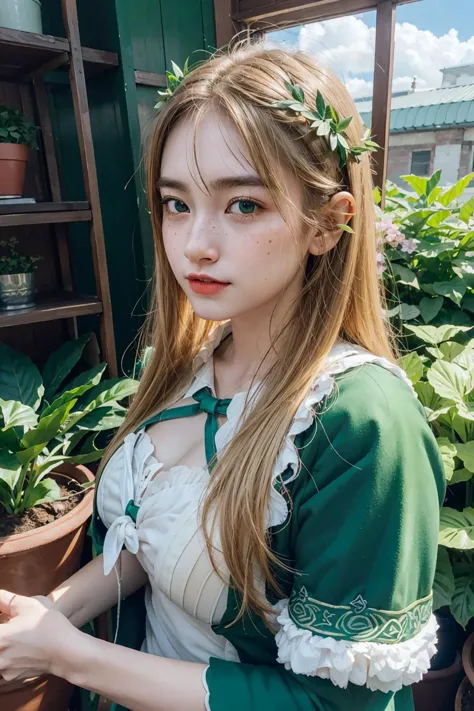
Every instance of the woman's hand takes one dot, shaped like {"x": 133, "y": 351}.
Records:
{"x": 32, "y": 639}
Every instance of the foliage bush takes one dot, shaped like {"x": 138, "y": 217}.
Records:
{"x": 428, "y": 267}
{"x": 43, "y": 424}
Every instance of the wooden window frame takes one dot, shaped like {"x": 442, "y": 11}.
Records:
{"x": 230, "y": 19}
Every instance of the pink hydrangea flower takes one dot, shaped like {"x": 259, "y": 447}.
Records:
{"x": 391, "y": 233}
{"x": 409, "y": 245}
{"x": 381, "y": 264}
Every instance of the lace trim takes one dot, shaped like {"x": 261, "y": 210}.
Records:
{"x": 206, "y": 689}
{"x": 342, "y": 357}
{"x": 357, "y": 622}
{"x": 380, "y": 667}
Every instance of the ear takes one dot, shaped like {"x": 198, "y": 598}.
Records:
{"x": 341, "y": 208}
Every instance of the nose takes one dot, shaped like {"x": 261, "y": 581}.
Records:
{"x": 202, "y": 245}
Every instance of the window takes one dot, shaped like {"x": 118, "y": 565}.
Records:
{"x": 421, "y": 162}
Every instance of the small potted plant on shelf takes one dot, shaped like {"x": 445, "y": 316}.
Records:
{"x": 22, "y": 15}
{"x": 17, "y": 277}
{"x": 48, "y": 433}
{"x": 17, "y": 136}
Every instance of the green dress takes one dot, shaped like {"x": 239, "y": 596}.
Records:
{"x": 355, "y": 628}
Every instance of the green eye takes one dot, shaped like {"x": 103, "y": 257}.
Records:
{"x": 175, "y": 206}
{"x": 244, "y": 207}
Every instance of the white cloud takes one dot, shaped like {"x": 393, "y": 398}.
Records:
{"x": 347, "y": 45}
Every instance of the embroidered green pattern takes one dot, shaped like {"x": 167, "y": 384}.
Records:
{"x": 358, "y": 622}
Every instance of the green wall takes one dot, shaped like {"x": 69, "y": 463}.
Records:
{"x": 147, "y": 35}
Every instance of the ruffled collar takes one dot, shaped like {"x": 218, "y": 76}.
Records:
{"x": 343, "y": 356}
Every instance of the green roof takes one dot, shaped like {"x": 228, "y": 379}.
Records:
{"x": 451, "y": 106}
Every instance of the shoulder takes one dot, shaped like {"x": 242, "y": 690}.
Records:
{"x": 372, "y": 430}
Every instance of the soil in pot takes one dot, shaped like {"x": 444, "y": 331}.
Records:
{"x": 44, "y": 513}
{"x": 467, "y": 701}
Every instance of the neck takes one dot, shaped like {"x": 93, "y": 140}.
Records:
{"x": 253, "y": 348}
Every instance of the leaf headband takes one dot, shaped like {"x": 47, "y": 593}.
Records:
{"x": 324, "y": 119}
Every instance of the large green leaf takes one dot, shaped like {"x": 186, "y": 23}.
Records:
{"x": 443, "y": 587}
{"x": 448, "y": 453}
{"x": 460, "y": 475}
{"x": 65, "y": 397}
{"x": 60, "y": 363}
{"x": 405, "y": 275}
{"x": 433, "y": 335}
{"x": 465, "y": 453}
{"x": 434, "y": 404}
{"x": 409, "y": 312}
{"x": 413, "y": 366}
{"x": 48, "y": 426}
{"x": 9, "y": 469}
{"x": 88, "y": 379}
{"x": 456, "y": 190}
{"x": 463, "y": 427}
{"x": 449, "y": 380}
{"x": 431, "y": 249}
{"x": 418, "y": 184}
{"x": 17, "y": 415}
{"x": 108, "y": 391}
{"x": 43, "y": 491}
{"x": 449, "y": 350}
{"x": 103, "y": 418}
{"x": 87, "y": 458}
{"x": 453, "y": 289}
{"x": 462, "y": 604}
{"x": 25, "y": 456}
{"x": 430, "y": 308}
{"x": 20, "y": 379}
{"x": 467, "y": 210}
{"x": 456, "y": 529}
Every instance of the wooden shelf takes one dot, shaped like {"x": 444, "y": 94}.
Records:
{"x": 52, "y": 308}
{"x": 44, "y": 213}
{"x": 25, "y": 55}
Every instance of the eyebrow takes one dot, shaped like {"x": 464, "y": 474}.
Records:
{"x": 234, "y": 181}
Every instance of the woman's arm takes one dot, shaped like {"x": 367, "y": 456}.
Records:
{"x": 135, "y": 680}
{"x": 89, "y": 592}
{"x": 41, "y": 640}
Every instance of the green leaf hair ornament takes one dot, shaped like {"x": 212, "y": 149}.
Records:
{"x": 325, "y": 121}
{"x": 173, "y": 80}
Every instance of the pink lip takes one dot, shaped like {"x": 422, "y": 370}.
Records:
{"x": 206, "y": 287}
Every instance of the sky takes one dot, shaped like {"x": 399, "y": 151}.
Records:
{"x": 430, "y": 35}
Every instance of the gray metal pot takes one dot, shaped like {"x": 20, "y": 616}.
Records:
{"x": 17, "y": 291}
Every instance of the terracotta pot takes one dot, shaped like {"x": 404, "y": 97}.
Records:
{"x": 467, "y": 660}
{"x": 437, "y": 690}
{"x": 34, "y": 563}
{"x": 13, "y": 160}
{"x": 45, "y": 693}
{"x": 465, "y": 684}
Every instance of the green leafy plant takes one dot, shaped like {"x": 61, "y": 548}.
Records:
{"x": 442, "y": 372}
{"x": 13, "y": 262}
{"x": 45, "y": 423}
{"x": 428, "y": 266}
{"x": 15, "y": 128}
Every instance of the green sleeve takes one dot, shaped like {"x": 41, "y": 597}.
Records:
{"x": 365, "y": 545}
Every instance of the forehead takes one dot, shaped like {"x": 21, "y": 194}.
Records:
{"x": 203, "y": 151}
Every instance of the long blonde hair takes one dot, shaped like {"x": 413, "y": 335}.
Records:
{"x": 341, "y": 296}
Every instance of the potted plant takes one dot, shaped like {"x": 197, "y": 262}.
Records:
{"x": 21, "y": 15}
{"x": 17, "y": 136}
{"x": 17, "y": 277}
{"x": 48, "y": 433}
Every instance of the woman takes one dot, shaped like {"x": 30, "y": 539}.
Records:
{"x": 275, "y": 486}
